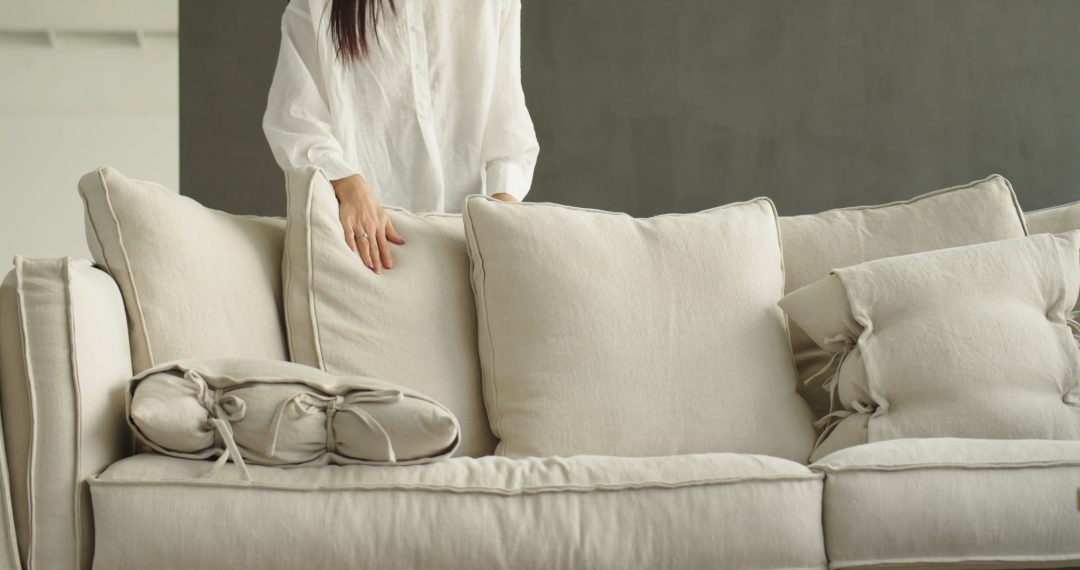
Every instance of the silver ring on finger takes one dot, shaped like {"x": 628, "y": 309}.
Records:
{"x": 362, "y": 235}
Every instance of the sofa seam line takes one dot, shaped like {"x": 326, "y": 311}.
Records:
{"x": 313, "y": 312}
{"x": 130, "y": 269}
{"x": 286, "y": 285}
{"x": 474, "y": 244}
{"x": 645, "y": 486}
{"x": 948, "y": 467}
{"x": 73, "y": 349}
{"x": 900, "y": 562}
{"x": 28, "y": 372}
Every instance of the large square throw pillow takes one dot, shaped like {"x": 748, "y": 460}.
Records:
{"x": 1056, "y": 220}
{"x": 197, "y": 283}
{"x": 414, "y": 325}
{"x": 815, "y": 244}
{"x": 974, "y": 342}
{"x": 605, "y": 334}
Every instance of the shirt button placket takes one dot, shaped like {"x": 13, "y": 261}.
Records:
{"x": 418, "y": 49}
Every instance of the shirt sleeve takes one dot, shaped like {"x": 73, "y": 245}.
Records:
{"x": 510, "y": 147}
{"x": 297, "y": 122}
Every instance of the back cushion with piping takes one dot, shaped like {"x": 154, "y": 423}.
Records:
{"x": 197, "y": 283}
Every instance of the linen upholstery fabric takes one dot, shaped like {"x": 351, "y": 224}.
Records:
{"x": 605, "y": 334}
{"x": 973, "y": 341}
{"x": 197, "y": 283}
{"x": 414, "y": 325}
{"x": 280, "y": 413}
{"x": 9, "y": 547}
{"x": 985, "y": 210}
{"x": 1054, "y": 220}
{"x": 64, "y": 357}
{"x": 953, "y": 503}
{"x": 696, "y": 511}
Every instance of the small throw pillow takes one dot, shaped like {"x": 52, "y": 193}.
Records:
{"x": 815, "y": 244}
{"x": 605, "y": 334}
{"x": 414, "y": 325}
{"x": 197, "y": 283}
{"x": 975, "y": 342}
{"x": 278, "y": 413}
{"x": 1054, "y": 220}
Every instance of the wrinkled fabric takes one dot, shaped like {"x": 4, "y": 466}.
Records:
{"x": 197, "y": 283}
{"x": 976, "y": 341}
{"x": 280, "y": 413}
{"x": 1054, "y": 220}
{"x": 604, "y": 334}
{"x": 414, "y": 325}
{"x": 814, "y": 245}
{"x": 64, "y": 358}
{"x": 433, "y": 113}
{"x": 693, "y": 511}
{"x": 953, "y": 503}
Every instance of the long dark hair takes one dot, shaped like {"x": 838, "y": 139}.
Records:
{"x": 350, "y": 21}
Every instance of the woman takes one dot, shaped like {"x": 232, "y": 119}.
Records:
{"x": 410, "y": 103}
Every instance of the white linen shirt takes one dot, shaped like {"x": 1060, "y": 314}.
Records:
{"x": 433, "y": 113}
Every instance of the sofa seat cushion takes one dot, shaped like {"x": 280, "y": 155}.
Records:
{"x": 695, "y": 511}
{"x": 953, "y": 503}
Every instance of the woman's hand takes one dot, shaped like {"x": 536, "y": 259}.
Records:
{"x": 504, "y": 197}
{"x": 367, "y": 225}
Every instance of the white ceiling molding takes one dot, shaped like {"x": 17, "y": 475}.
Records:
{"x": 83, "y": 38}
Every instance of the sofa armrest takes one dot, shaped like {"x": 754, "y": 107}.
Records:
{"x": 64, "y": 362}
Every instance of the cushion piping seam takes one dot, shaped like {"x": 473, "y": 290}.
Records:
{"x": 784, "y": 320}
{"x": 942, "y": 467}
{"x": 73, "y": 350}
{"x": 919, "y": 198}
{"x": 620, "y": 214}
{"x": 94, "y": 230}
{"x": 474, "y": 244}
{"x": 130, "y": 269}
{"x": 956, "y": 560}
{"x": 537, "y": 490}
{"x": 286, "y": 285}
{"x": 28, "y": 371}
{"x": 1016, "y": 205}
{"x": 312, "y": 303}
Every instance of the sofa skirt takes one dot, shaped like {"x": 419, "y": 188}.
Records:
{"x": 694, "y": 511}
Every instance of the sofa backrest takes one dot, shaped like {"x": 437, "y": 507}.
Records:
{"x": 1054, "y": 220}
{"x": 197, "y": 283}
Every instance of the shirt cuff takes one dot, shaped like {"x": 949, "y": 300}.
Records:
{"x": 504, "y": 176}
{"x": 334, "y": 167}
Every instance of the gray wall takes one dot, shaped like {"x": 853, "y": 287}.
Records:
{"x": 651, "y": 107}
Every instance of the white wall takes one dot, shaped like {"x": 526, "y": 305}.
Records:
{"x": 83, "y": 83}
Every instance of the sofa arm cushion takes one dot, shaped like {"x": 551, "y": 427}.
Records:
{"x": 64, "y": 362}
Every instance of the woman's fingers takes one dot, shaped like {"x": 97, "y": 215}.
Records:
{"x": 384, "y": 249}
{"x": 373, "y": 247}
{"x": 391, "y": 233}
{"x": 362, "y": 245}
{"x": 350, "y": 238}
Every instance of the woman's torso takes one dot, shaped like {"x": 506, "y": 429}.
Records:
{"x": 412, "y": 112}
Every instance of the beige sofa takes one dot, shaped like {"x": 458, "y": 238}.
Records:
{"x": 75, "y": 495}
